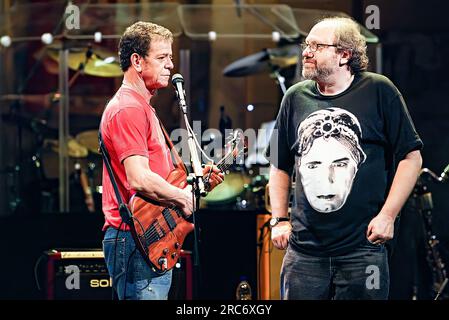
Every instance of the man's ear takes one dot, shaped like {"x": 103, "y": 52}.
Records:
{"x": 136, "y": 62}
{"x": 345, "y": 57}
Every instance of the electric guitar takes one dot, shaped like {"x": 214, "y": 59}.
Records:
{"x": 159, "y": 231}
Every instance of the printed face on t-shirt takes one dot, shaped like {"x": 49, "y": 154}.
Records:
{"x": 329, "y": 155}
{"x": 158, "y": 64}
{"x": 327, "y": 173}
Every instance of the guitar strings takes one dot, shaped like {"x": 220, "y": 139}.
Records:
{"x": 151, "y": 234}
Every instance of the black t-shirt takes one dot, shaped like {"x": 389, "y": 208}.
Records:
{"x": 344, "y": 149}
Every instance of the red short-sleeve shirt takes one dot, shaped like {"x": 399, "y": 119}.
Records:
{"x": 129, "y": 126}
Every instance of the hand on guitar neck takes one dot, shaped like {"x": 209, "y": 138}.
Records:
{"x": 212, "y": 176}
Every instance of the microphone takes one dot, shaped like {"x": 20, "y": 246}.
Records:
{"x": 444, "y": 177}
{"x": 178, "y": 83}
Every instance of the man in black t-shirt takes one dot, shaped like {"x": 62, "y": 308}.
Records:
{"x": 347, "y": 137}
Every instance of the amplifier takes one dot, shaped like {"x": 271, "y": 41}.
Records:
{"x": 78, "y": 275}
{"x": 82, "y": 275}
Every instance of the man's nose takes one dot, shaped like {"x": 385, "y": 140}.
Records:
{"x": 306, "y": 53}
{"x": 331, "y": 175}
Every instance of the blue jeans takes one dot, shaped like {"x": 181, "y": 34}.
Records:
{"x": 361, "y": 274}
{"x": 132, "y": 278}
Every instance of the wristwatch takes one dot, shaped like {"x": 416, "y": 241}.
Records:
{"x": 274, "y": 221}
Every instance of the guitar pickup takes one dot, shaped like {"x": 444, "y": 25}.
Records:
{"x": 179, "y": 212}
{"x": 169, "y": 219}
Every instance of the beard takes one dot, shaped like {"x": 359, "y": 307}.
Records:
{"x": 317, "y": 73}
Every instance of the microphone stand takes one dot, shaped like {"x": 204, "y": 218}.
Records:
{"x": 195, "y": 179}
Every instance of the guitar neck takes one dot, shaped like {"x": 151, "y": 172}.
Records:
{"x": 225, "y": 163}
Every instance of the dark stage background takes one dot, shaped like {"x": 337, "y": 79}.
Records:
{"x": 415, "y": 39}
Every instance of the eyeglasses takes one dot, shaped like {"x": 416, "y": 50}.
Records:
{"x": 313, "y": 47}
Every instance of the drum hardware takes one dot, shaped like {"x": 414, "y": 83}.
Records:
{"x": 264, "y": 61}
{"x": 11, "y": 177}
{"x": 81, "y": 178}
{"x": 271, "y": 60}
{"x": 67, "y": 56}
{"x": 253, "y": 196}
{"x": 424, "y": 201}
{"x": 90, "y": 174}
{"x": 43, "y": 164}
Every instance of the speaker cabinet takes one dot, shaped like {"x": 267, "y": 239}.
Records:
{"x": 269, "y": 260}
{"x": 83, "y": 275}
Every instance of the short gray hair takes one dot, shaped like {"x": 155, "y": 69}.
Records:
{"x": 348, "y": 37}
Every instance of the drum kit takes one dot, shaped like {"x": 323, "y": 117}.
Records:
{"x": 82, "y": 148}
{"x": 244, "y": 187}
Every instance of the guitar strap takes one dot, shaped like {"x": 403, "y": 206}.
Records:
{"x": 178, "y": 161}
{"x": 124, "y": 211}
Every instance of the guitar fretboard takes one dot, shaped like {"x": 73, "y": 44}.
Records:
{"x": 226, "y": 162}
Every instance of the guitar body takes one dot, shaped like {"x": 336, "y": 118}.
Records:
{"x": 159, "y": 231}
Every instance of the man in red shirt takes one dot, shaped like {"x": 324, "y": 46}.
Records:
{"x": 139, "y": 157}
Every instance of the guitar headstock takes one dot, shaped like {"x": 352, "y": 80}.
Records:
{"x": 237, "y": 147}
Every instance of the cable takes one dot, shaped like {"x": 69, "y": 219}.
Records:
{"x": 190, "y": 130}
{"x": 126, "y": 271}
{"x": 443, "y": 285}
{"x": 115, "y": 256}
{"x": 36, "y": 265}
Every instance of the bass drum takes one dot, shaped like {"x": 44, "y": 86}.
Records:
{"x": 227, "y": 192}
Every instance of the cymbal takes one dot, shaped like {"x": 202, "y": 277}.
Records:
{"x": 89, "y": 139}
{"x": 264, "y": 61}
{"x": 74, "y": 149}
{"x": 101, "y": 62}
